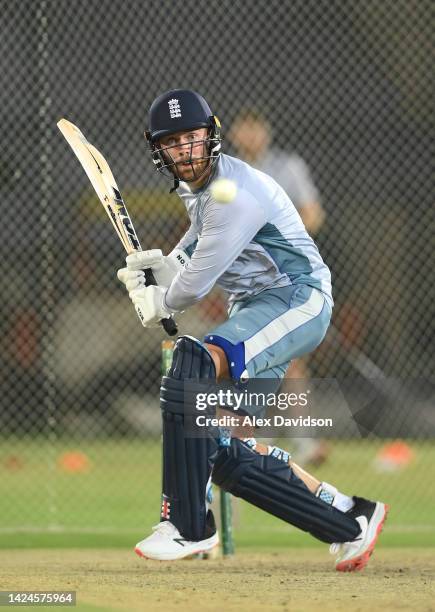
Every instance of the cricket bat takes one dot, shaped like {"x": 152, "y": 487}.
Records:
{"x": 103, "y": 181}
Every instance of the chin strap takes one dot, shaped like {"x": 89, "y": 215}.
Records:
{"x": 176, "y": 185}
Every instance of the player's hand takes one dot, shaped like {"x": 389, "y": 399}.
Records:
{"x": 133, "y": 276}
{"x": 131, "y": 279}
{"x": 149, "y": 304}
{"x": 163, "y": 268}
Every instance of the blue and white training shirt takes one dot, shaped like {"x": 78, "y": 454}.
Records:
{"x": 255, "y": 242}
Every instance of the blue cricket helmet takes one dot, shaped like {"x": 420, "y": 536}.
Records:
{"x": 179, "y": 110}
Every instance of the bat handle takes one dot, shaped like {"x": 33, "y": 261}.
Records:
{"x": 169, "y": 324}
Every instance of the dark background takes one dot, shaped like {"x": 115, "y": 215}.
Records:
{"x": 349, "y": 86}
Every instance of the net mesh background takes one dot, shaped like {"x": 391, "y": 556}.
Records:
{"x": 349, "y": 87}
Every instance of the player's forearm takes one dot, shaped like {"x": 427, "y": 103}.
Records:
{"x": 227, "y": 230}
{"x": 188, "y": 241}
{"x": 183, "y": 293}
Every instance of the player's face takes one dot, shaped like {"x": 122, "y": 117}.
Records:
{"x": 187, "y": 151}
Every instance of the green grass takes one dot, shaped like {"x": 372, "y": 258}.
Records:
{"x": 116, "y": 500}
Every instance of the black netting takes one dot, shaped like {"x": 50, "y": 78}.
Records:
{"x": 347, "y": 86}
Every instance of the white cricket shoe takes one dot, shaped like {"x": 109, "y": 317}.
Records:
{"x": 166, "y": 544}
{"x": 354, "y": 555}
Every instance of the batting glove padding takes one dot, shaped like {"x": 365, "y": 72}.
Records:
{"x": 164, "y": 268}
{"x": 132, "y": 279}
{"x": 149, "y": 304}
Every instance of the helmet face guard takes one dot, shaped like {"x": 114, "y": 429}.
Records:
{"x": 167, "y": 165}
{"x": 177, "y": 111}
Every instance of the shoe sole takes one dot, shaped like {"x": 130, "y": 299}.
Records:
{"x": 202, "y": 549}
{"x": 358, "y": 563}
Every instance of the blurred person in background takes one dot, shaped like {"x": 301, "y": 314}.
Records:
{"x": 251, "y": 137}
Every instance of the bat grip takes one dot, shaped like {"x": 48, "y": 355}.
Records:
{"x": 168, "y": 325}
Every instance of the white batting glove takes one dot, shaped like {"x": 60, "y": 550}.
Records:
{"x": 163, "y": 268}
{"x": 133, "y": 276}
{"x": 149, "y": 304}
{"x": 131, "y": 279}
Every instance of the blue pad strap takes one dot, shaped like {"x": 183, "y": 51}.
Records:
{"x": 235, "y": 354}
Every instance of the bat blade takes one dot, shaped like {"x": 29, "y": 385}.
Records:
{"x": 103, "y": 181}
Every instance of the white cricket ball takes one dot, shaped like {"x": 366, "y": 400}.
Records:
{"x": 223, "y": 190}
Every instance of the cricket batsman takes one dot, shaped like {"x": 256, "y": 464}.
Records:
{"x": 246, "y": 236}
